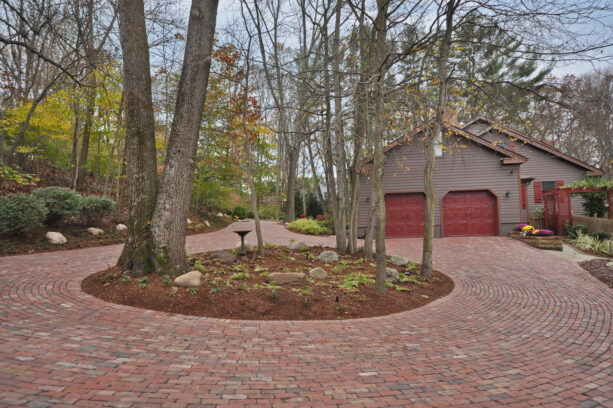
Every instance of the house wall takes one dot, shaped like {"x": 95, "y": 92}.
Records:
{"x": 543, "y": 166}
{"x": 468, "y": 167}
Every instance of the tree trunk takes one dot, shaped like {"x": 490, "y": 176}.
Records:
{"x": 430, "y": 141}
{"x": 169, "y": 223}
{"x": 137, "y": 254}
{"x": 87, "y": 127}
{"x": 370, "y": 227}
{"x": 75, "y": 143}
{"x": 292, "y": 169}
{"x": 380, "y": 47}
{"x": 341, "y": 176}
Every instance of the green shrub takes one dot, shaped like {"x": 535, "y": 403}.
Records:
{"x": 308, "y": 226}
{"x": 61, "y": 202}
{"x": 578, "y": 229}
{"x": 267, "y": 212}
{"x": 240, "y": 212}
{"x": 94, "y": 209}
{"x": 585, "y": 242}
{"x": 20, "y": 214}
{"x": 594, "y": 204}
{"x": 602, "y": 235}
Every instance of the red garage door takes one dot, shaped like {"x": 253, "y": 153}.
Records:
{"x": 469, "y": 214}
{"x": 405, "y": 215}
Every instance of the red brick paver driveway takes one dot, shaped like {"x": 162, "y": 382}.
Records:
{"x": 522, "y": 328}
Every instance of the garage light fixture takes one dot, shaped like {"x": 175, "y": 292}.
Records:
{"x": 508, "y": 193}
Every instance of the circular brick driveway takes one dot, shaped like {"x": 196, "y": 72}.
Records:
{"x": 522, "y": 328}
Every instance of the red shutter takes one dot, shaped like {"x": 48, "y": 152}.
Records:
{"x": 538, "y": 194}
{"x": 559, "y": 183}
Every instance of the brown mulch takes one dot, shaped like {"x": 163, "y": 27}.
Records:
{"x": 598, "y": 268}
{"x": 77, "y": 236}
{"x": 227, "y": 293}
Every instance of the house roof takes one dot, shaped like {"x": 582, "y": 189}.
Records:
{"x": 509, "y": 157}
{"x": 533, "y": 142}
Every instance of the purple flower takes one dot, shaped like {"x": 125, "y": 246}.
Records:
{"x": 544, "y": 232}
{"x": 520, "y": 226}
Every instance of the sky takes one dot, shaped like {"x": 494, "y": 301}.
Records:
{"x": 227, "y": 12}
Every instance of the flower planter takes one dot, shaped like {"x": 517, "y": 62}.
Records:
{"x": 542, "y": 242}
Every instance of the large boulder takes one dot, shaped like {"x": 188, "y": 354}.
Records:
{"x": 391, "y": 275}
{"x": 249, "y": 246}
{"x": 55, "y": 238}
{"x": 297, "y": 245}
{"x": 121, "y": 227}
{"x": 191, "y": 279}
{"x": 95, "y": 231}
{"x": 287, "y": 278}
{"x": 224, "y": 256}
{"x": 328, "y": 256}
{"x": 318, "y": 273}
{"x": 399, "y": 260}
{"x": 610, "y": 264}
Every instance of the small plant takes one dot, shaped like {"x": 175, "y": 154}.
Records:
{"x": 173, "y": 292}
{"x": 245, "y": 287}
{"x": 142, "y": 282}
{"x": 274, "y": 290}
{"x": 305, "y": 294}
{"x": 166, "y": 280}
{"x": 411, "y": 265}
{"x": 193, "y": 291}
{"x": 20, "y": 214}
{"x": 389, "y": 285}
{"x": 425, "y": 296}
{"x": 61, "y": 202}
{"x": 240, "y": 276}
{"x": 215, "y": 290}
{"x": 355, "y": 279}
{"x": 578, "y": 229}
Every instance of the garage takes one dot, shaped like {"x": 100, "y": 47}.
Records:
{"x": 405, "y": 215}
{"x": 469, "y": 214}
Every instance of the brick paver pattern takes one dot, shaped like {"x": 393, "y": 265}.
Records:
{"x": 522, "y": 328}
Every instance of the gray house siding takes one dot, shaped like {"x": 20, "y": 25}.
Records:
{"x": 543, "y": 166}
{"x": 471, "y": 167}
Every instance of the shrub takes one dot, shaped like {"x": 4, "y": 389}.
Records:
{"x": 602, "y": 235}
{"x": 594, "y": 204}
{"x": 20, "y": 214}
{"x": 575, "y": 230}
{"x": 61, "y": 202}
{"x": 94, "y": 209}
{"x": 240, "y": 212}
{"x": 584, "y": 241}
{"x": 267, "y": 212}
{"x": 308, "y": 226}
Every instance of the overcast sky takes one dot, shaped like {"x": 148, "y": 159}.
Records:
{"x": 227, "y": 12}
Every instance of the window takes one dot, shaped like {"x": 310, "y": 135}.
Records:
{"x": 548, "y": 185}
{"x": 438, "y": 147}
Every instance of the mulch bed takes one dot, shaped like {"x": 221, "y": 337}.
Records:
{"x": 78, "y": 237}
{"x": 240, "y": 291}
{"x": 598, "y": 268}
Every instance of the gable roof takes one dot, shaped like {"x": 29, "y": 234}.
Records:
{"x": 509, "y": 157}
{"x": 493, "y": 125}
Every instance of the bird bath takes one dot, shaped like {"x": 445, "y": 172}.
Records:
{"x": 242, "y": 234}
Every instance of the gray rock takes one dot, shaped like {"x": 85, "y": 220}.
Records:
{"x": 298, "y": 245}
{"x": 189, "y": 221}
{"x": 610, "y": 264}
{"x": 318, "y": 273}
{"x": 95, "y": 231}
{"x": 224, "y": 256}
{"x": 207, "y": 223}
{"x": 55, "y": 238}
{"x": 287, "y": 278}
{"x": 328, "y": 256}
{"x": 121, "y": 227}
{"x": 219, "y": 214}
{"x": 391, "y": 275}
{"x": 399, "y": 260}
{"x": 191, "y": 279}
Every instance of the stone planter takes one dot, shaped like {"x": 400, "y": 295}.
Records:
{"x": 541, "y": 242}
